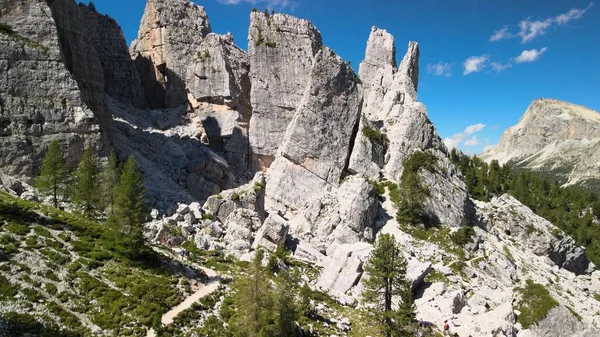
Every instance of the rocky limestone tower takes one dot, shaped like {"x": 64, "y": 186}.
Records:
{"x": 305, "y": 181}
{"x": 181, "y": 62}
{"x": 281, "y": 50}
{"x": 556, "y": 137}
{"x": 49, "y": 88}
{"x": 390, "y": 108}
{"x": 169, "y": 35}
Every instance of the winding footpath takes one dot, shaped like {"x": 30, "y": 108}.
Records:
{"x": 204, "y": 290}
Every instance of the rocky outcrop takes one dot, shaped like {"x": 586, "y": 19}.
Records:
{"x": 168, "y": 144}
{"x": 40, "y": 96}
{"x": 561, "y": 322}
{"x": 181, "y": 62}
{"x": 168, "y": 40}
{"x": 506, "y": 214}
{"x": 80, "y": 56}
{"x": 308, "y": 162}
{"x": 281, "y": 50}
{"x": 121, "y": 79}
{"x": 218, "y": 79}
{"x": 555, "y": 137}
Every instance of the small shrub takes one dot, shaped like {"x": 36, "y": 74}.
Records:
{"x": 508, "y": 254}
{"x": 535, "y": 303}
{"x": 374, "y": 135}
{"x": 32, "y": 242}
{"x": 32, "y": 295}
{"x": 50, "y": 288}
{"x": 6, "y": 29}
{"x": 462, "y": 236}
{"x": 235, "y": 196}
{"x": 18, "y": 229}
{"x": 42, "y": 231}
{"x": 7, "y": 289}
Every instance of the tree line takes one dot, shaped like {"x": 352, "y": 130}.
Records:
{"x": 112, "y": 191}
{"x": 572, "y": 209}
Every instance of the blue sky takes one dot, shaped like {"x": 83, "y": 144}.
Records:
{"x": 482, "y": 62}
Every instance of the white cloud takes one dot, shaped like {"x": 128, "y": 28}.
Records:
{"x": 456, "y": 139}
{"x": 499, "y": 67}
{"x": 530, "y": 55}
{"x": 573, "y": 14}
{"x": 501, "y": 34}
{"x": 440, "y": 69}
{"x": 472, "y": 142}
{"x": 530, "y": 29}
{"x": 268, "y": 3}
{"x": 475, "y": 64}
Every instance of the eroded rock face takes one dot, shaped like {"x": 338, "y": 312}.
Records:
{"x": 281, "y": 50}
{"x": 377, "y": 71}
{"x": 308, "y": 159}
{"x": 181, "y": 62}
{"x": 168, "y": 39}
{"x": 40, "y": 97}
{"x": 121, "y": 79}
{"x": 561, "y": 322}
{"x": 508, "y": 215}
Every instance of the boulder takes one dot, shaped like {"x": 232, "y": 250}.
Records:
{"x": 344, "y": 269}
{"x": 272, "y": 234}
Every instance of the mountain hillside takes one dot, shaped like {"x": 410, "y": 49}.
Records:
{"x": 281, "y": 171}
{"x": 556, "y": 138}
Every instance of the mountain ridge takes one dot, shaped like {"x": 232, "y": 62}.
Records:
{"x": 553, "y": 137}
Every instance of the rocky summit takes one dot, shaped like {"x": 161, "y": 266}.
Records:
{"x": 554, "y": 137}
{"x": 282, "y": 148}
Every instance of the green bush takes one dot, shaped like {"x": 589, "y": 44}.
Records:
{"x": 462, "y": 236}
{"x": 235, "y": 196}
{"x": 6, "y": 29}
{"x": 374, "y": 135}
{"x": 16, "y": 228}
{"x": 535, "y": 303}
{"x": 50, "y": 288}
{"x": 7, "y": 289}
{"x": 32, "y": 295}
{"x": 42, "y": 231}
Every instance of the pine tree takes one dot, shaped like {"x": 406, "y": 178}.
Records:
{"x": 110, "y": 181}
{"x": 54, "y": 177}
{"x": 307, "y": 308}
{"x": 255, "y": 316}
{"x": 386, "y": 268}
{"x": 288, "y": 311}
{"x": 85, "y": 193}
{"x": 127, "y": 218}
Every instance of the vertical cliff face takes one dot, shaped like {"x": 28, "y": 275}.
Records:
{"x": 121, "y": 79}
{"x": 41, "y": 97}
{"x": 80, "y": 56}
{"x": 169, "y": 35}
{"x": 281, "y": 50}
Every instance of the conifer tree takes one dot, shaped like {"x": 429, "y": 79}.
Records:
{"x": 110, "y": 181}
{"x": 288, "y": 311}
{"x": 54, "y": 176}
{"x": 386, "y": 268}
{"x": 256, "y": 315}
{"x": 127, "y": 218}
{"x": 85, "y": 193}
